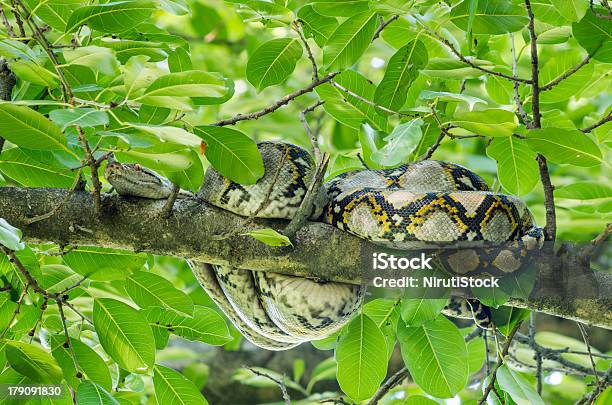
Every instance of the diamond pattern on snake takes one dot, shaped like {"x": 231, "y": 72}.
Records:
{"x": 410, "y": 206}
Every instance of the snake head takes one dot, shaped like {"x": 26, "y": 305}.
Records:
{"x": 113, "y": 168}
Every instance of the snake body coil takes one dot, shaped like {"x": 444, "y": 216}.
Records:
{"x": 412, "y": 206}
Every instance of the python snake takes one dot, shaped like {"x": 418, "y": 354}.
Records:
{"x": 411, "y": 206}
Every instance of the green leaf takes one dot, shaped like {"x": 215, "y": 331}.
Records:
{"x": 34, "y": 73}
{"x": 273, "y": 62}
{"x": 490, "y": 17}
{"x": 325, "y": 370}
{"x": 348, "y": 109}
{"x": 419, "y": 400}
{"x": 90, "y": 363}
{"x": 179, "y": 60}
{"x": 54, "y": 12}
{"x": 270, "y": 237}
{"x": 595, "y": 35}
{"x": 57, "y": 277}
{"x": 491, "y": 122}
{"x": 104, "y": 264}
{"x": 206, "y": 325}
{"x": 124, "y": 334}
{"x": 499, "y": 89}
{"x": 193, "y": 83}
{"x": 340, "y": 8}
{"x": 392, "y": 6}
{"x": 82, "y": 117}
{"x": 517, "y": 386}
{"x": 517, "y": 168}
{"x": 584, "y": 190}
{"x": 125, "y": 49}
{"x": 232, "y": 153}
{"x": 422, "y": 304}
{"x": 558, "y": 65}
{"x": 175, "y": 161}
{"x": 362, "y": 358}
{"x": 33, "y": 362}
{"x": 476, "y": 354}
{"x": 446, "y": 96}
{"x": 98, "y": 59}
{"x": 10, "y": 236}
{"x": 316, "y": 25}
{"x": 35, "y": 168}
{"x": 565, "y": 146}
{"x": 401, "y": 71}
{"x": 570, "y": 9}
{"x": 506, "y": 318}
{"x": 151, "y": 290}
{"x": 29, "y": 129}
{"x": 298, "y": 369}
{"x": 349, "y": 41}
{"x": 436, "y": 356}
{"x": 111, "y": 17}
{"x": 264, "y": 11}
{"x": 171, "y": 387}
{"x": 92, "y": 394}
{"x": 399, "y": 144}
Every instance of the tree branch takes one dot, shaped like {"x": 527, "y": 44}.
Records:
{"x": 383, "y": 25}
{"x": 277, "y": 104}
{"x": 131, "y": 224}
{"x": 599, "y": 123}
{"x": 500, "y": 361}
{"x": 567, "y": 74}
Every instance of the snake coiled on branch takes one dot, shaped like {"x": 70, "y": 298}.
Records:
{"x": 412, "y": 206}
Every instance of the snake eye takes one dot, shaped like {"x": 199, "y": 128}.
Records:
{"x": 137, "y": 167}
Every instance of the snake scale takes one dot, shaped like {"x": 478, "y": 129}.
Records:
{"x": 410, "y": 206}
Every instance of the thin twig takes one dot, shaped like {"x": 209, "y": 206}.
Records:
{"x": 598, "y": 14}
{"x": 9, "y": 28}
{"x": 591, "y": 248}
{"x": 369, "y": 102}
{"x": 363, "y": 163}
{"x": 277, "y": 104}
{"x": 553, "y": 83}
{"x": 31, "y": 281}
{"x": 585, "y": 338}
{"x": 24, "y": 293}
{"x": 500, "y": 361}
{"x": 555, "y": 355}
{"x": 383, "y": 25}
{"x": 93, "y": 167}
{"x": 321, "y": 162}
{"x": 166, "y": 211}
{"x": 515, "y": 85}
{"x": 467, "y": 61}
{"x": 312, "y": 136}
{"x": 281, "y": 384}
{"x": 307, "y": 203}
{"x": 67, "y": 344}
{"x": 538, "y": 356}
{"x": 443, "y": 133}
{"x": 76, "y": 311}
{"x": 599, "y": 123}
{"x": 315, "y": 70}
{"x": 388, "y": 385}
{"x": 55, "y": 209}
{"x": 38, "y": 34}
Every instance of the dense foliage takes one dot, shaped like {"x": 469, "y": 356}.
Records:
{"x": 178, "y": 85}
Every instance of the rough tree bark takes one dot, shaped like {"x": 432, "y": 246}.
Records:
{"x": 320, "y": 250}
